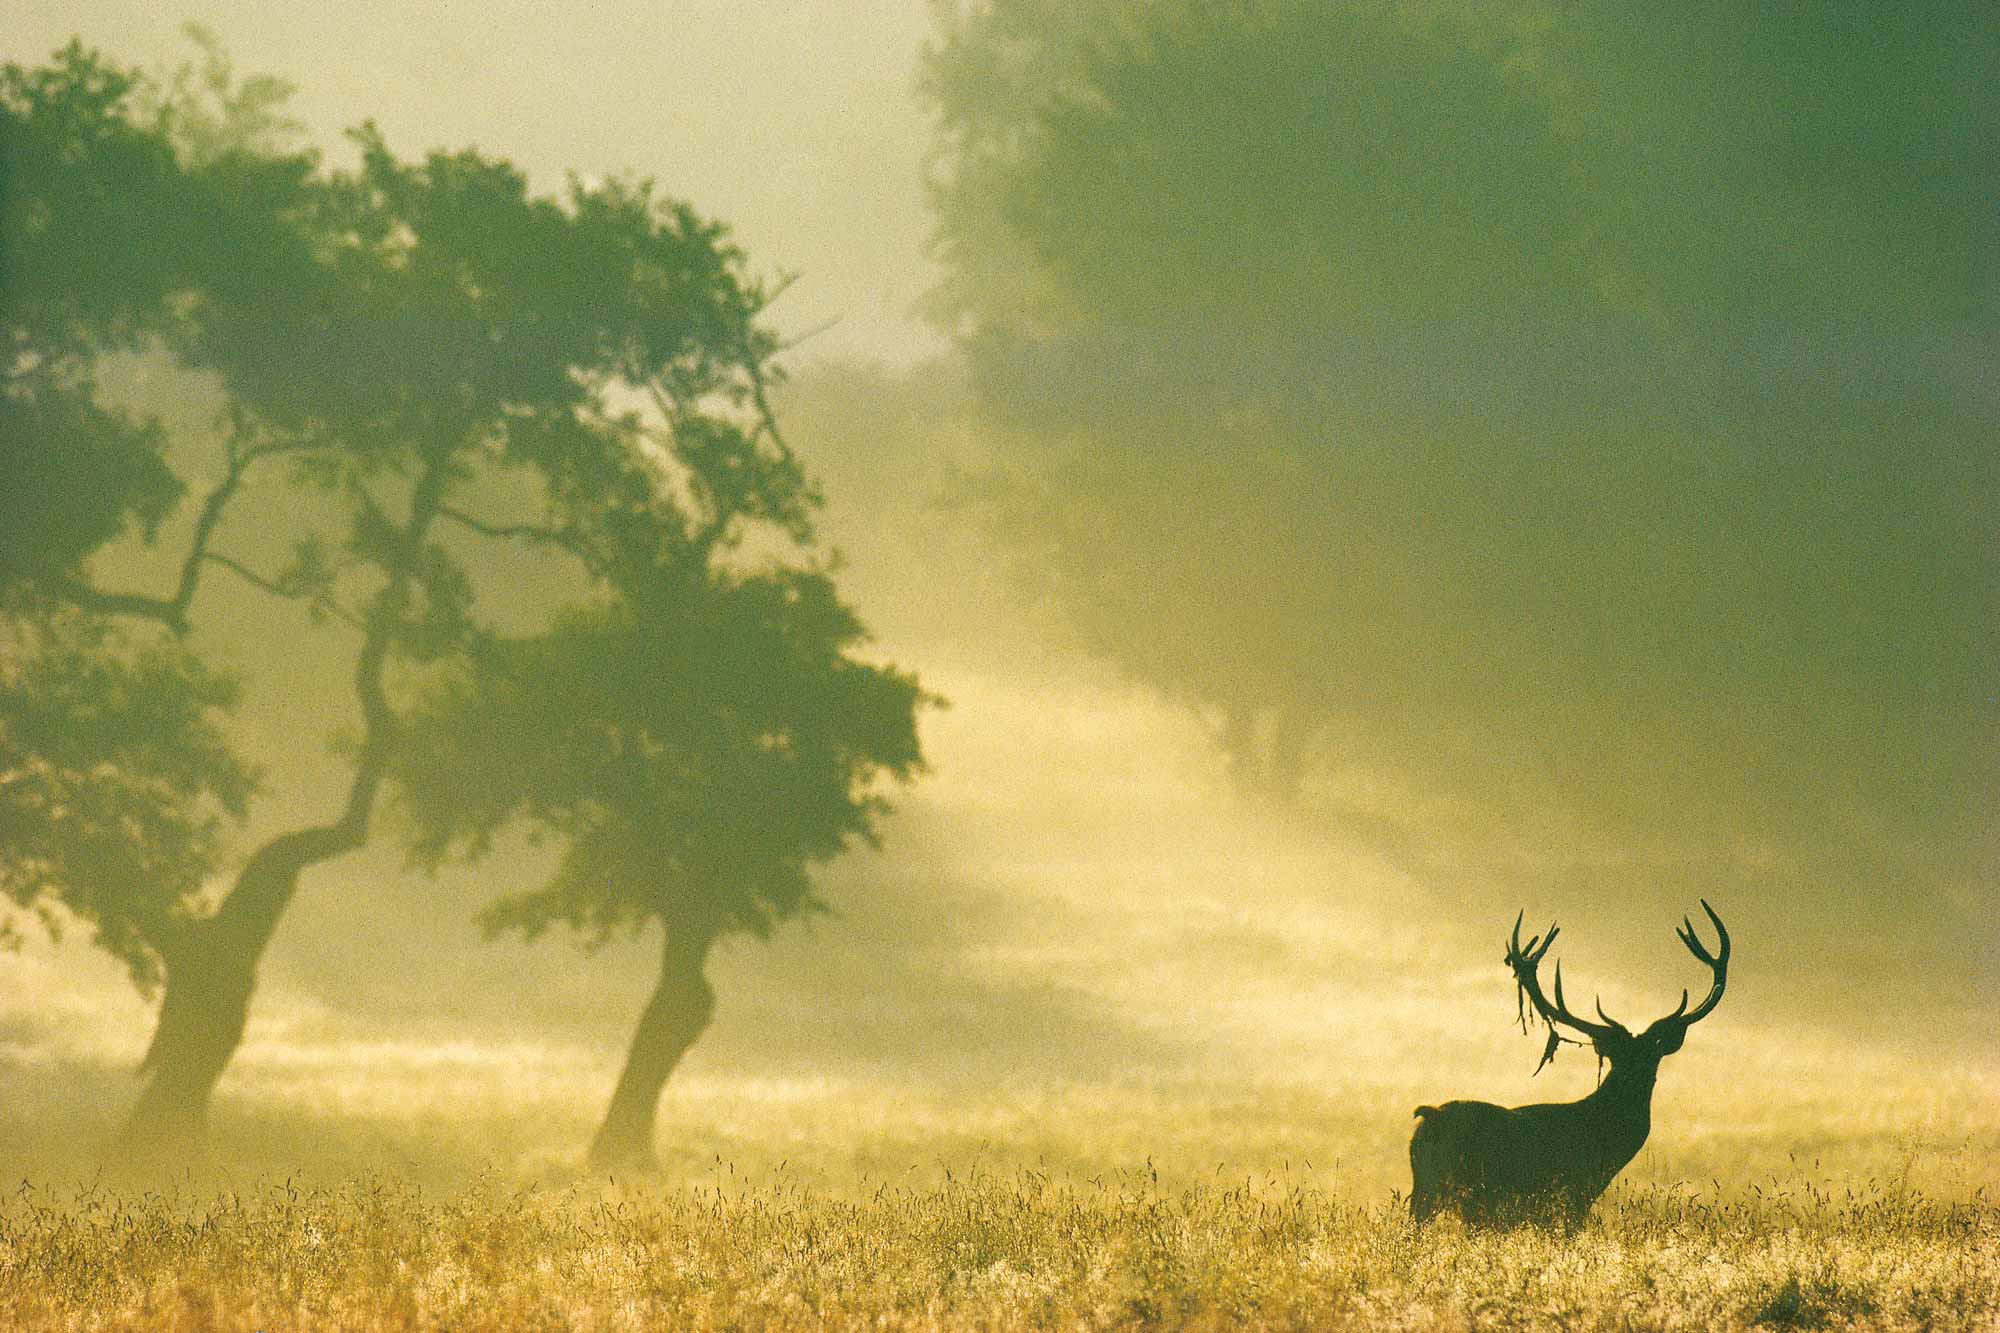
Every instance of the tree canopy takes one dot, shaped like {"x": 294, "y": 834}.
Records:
{"x": 1557, "y": 425}
{"x": 427, "y": 364}
{"x": 695, "y": 752}
{"x": 115, "y": 775}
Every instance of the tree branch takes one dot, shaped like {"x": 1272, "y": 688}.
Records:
{"x": 813, "y": 332}
{"x": 265, "y": 887}
{"x": 277, "y": 589}
{"x": 767, "y": 420}
{"x": 530, "y": 531}
{"x": 384, "y": 619}
{"x": 539, "y": 534}
{"x": 81, "y": 594}
{"x": 247, "y": 574}
{"x": 172, "y": 611}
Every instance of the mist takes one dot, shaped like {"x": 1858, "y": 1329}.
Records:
{"x": 1348, "y": 475}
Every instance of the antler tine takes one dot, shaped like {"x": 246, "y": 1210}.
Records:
{"x": 1558, "y": 1012}
{"x": 1563, "y": 1004}
{"x": 1717, "y": 963}
{"x": 1529, "y": 953}
{"x": 1721, "y": 931}
{"x": 1692, "y": 940}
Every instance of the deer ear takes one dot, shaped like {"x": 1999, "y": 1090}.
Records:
{"x": 1670, "y": 1039}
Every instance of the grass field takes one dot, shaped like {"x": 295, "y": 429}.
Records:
{"x": 433, "y": 1200}
{"x": 980, "y": 1252}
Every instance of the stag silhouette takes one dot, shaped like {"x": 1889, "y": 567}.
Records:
{"x": 1497, "y": 1165}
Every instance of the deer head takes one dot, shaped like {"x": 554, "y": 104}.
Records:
{"x": 1611, "y": 1039}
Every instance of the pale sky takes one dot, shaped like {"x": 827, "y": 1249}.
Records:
{"x": 792, "y": 120}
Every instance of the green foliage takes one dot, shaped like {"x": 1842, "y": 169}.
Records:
{"x": 414, "y": 338}
{"x": 115, "y": 773}
{"x": 88, "y": 201}
{"x": 697, "y": 748}
{"x": 114, "y": 237}
{"x": 78, "y": 474}
{"x": 700, "y": 738}
{"x": 113, "y": 777}
{"x": 1505, "y": 161}
{"x": 210, "y": 114}
{"x": 1526, "y": 423}
{"x": 1348, "y": 165}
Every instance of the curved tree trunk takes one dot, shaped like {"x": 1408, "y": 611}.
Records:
{"x": 674, "y": 1018}
{"x": 212, "y": 969}
{"x": 205, "y": 1005}
{"x": 211, "y": 973}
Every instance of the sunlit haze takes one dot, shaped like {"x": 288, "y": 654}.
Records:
{"x": 1329, "y": 512}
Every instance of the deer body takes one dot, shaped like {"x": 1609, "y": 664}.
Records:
{"x": 1496, "y": 1165}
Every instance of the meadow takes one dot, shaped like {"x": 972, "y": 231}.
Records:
{"x": 434, "y": 1200}
{"x": 1021, "y": 1250}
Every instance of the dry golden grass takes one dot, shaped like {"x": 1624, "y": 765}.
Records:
{"x": 432, "y": 1203}
{"x": 977, "y": 1252}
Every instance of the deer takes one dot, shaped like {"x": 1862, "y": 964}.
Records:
{"x": 1548, "y": 1163}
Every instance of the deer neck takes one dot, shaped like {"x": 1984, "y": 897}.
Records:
{"x": 1625, "y": 1097}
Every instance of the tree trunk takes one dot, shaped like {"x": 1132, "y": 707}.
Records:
{"x": 212, "y": 969}
{"x": 677, "y": 1014}
{"x": 211, "y": 973}
{"x": 203, "y": 1011}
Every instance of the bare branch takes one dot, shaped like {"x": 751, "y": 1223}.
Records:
{"x": 277, "y": 589}
{"x": 247, "y": 574}
{"x": 566, "y": 540}
{"x": 767, "y": 419}
{"x": 813, "y": 332}
{"x": 533, "y": 532}
{"x": 172, "y": 611}
{"x": 239, "y": 460}
{"x": 81, "y": 594}
{"x": 384, "y": 619}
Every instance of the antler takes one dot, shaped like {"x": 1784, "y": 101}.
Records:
{"x": 1718, "y": 963}
{"x": 1526, "y": 958}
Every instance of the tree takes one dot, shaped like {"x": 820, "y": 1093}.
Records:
{"x": 1538, "y": 426}
{"x": 444, "y": 363}
{"x": 116, "y": 775}
{"x": 694, "y": 746}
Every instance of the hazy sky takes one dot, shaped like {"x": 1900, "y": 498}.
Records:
{"x": 792, "y": 120}
{"x": 1076, "y": 889}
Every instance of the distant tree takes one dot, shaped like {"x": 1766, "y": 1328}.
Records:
{"x": 445, "y": 363}
{"x": 1508, "y": 420}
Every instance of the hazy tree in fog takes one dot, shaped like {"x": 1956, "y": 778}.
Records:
{"x": 400, "y": 344}
{"x": 116, "y": 776}
{"x": 1482, "y": 411}
{"x": 693, "y": 745}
